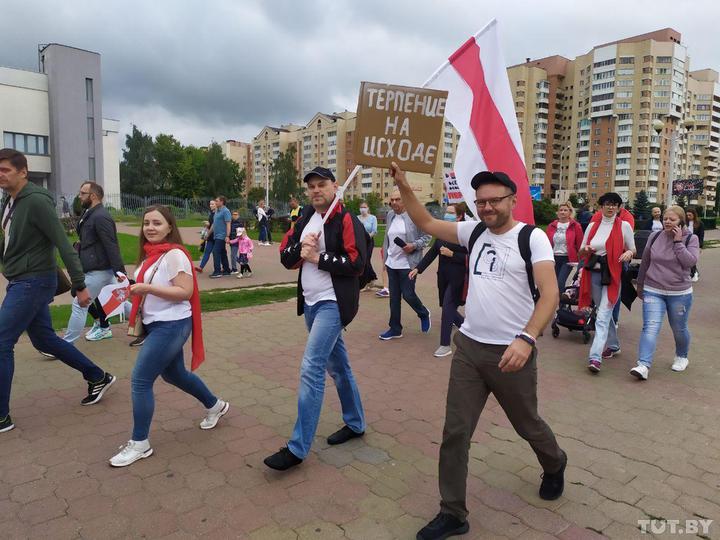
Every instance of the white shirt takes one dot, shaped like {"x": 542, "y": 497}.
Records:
{"x": 6, "y": 228}
{"x": 159, "y": 309}
{"x": 397, "y": 258}
{"x": 317, "y": 284}
{"x": 499, "y": 303}
{"x": 261, "y": 213}
{"x": 603, "y": 232}
{"x": 657, "y": 225}
{"x": 560, "y": 239}
{"x": 690, "y": 226}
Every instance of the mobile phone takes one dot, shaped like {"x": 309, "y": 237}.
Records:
{"x": 399, "y": 242}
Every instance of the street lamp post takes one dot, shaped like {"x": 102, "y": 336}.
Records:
{"x": 675, "y": 136}
{"x": 267, "y": 182}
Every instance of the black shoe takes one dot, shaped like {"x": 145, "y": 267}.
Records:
{"x": 553, "y": 484}
{"x": 282, "y": 460}
{"x": 97, "y": 390}
{"x": 6, "y": 424}
{"x": 137, "y": 342}
{"x": 443, "y": 526}
{"x": 215, "y": 276}
{"x": 344, "y": 434}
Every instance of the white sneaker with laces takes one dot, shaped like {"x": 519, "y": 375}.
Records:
{"x": 131, "y": 452}
{"x": 640, "y": 371}
{"x": 680, "y": 363}
{"x": 443, "y": 350}
{"x": 99, "y": 334}
{"x": 93, "y": 328}
{"x": 214, "y": 414}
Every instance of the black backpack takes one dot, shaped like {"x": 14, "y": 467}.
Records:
{"x": 525, "y": 253}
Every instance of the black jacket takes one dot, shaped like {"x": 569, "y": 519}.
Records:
{"x": 344, "y": 258}
{"x": 451, "y": 272}
{"x": 99, "y": 249}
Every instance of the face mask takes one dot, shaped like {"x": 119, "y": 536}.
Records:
{"x": 364, "y": 211}
{"x": 450, "y": 217}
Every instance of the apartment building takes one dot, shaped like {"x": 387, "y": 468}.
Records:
{"x": 241, "y": 153}
{"x": 589, "y": 124}
{"x": 327, "y": 141}
{"x": 54, "y": 116}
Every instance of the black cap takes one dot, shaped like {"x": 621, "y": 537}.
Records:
{"x": 487, "y": 177}
{"x": 322, "y": 172}
{"x": 610, "y": 197}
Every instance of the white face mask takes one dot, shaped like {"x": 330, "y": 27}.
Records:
{"x": 364, "y": 211}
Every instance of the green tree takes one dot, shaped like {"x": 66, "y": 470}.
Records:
{"x": 255, "y": 194}
{"x": 681, "y": 201}
{"x": 641, "y": 205}
{"x": 374, "y": 201}
{"x": 138, "y": 172}
{"x": 353, "y": 205}
{"x": 573, "y": 199}
{"x": 284, "y": 176}
{"x": 168, "y": 154}
{"x": 189, "y": 183}
{"x": 545, "y": 211}
{"x": 221, "y": 175}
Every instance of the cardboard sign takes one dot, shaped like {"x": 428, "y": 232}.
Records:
{"x": 452, "y": 190}
{"x": 400, "y": 124}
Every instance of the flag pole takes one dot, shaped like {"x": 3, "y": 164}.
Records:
{"x": 447, "y": 62}
{"x": 340, "y": 192}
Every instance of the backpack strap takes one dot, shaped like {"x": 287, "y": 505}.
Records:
{"x": 477, "y": 231}
{"x": 526, "y": 254}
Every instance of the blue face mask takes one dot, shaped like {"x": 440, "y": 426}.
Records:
{"x": 450, "y": 217}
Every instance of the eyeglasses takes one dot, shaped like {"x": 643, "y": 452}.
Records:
{"x": 480, "y": 203}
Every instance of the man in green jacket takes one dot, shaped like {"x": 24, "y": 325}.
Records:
{"x": 31, "y": 231}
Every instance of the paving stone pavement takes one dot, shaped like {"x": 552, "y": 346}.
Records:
{"x": 636, "y": 449}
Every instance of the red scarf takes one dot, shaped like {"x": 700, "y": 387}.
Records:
{"x": 614, "y": 247}
{"x": 153, "y": 252}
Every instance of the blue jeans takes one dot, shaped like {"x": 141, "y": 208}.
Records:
{"x": 263, "y": 233}
{"x": 654, "y": 308}
{"x": 220, "y": 258}
{"x": 162, "y": 356}
{"x": 605, "y": 331}
{"x": 209, "y": 244}
{"x": 233, "y": 256}
{"x": 94, "y": 281}
{"x": 562, "y": 271}
{"x": 26, "y": 307}
{"x": 324, "y": 351}
{"x": 401, "y": 285}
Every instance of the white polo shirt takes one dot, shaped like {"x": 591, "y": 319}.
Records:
{"x": 499, "y": 303}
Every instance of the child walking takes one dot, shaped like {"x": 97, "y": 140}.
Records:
{"x": 245, "y": 252}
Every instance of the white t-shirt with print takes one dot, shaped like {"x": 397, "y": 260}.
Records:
{"x": 397, "y": 258}
{"x": 156, "y": 308}
{"x": 560, "y": 239}
{"x": 499, "y": 303}
{"x": 317, "y": 284}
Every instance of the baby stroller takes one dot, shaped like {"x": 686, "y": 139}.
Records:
{"x": 568, "y": 316}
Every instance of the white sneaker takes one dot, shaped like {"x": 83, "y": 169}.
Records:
{"x": 211, "y": 420}
{"x": 100, "y": 333}
{"x": 131, "y": 452}
{"x": 94, "y": 328}
{"x": 248, "y": 274}
{"x": 443, "y": 350}
{"x": 239, "y": 276}
{"x": 680, "y": 363}
{"x": 640, "y": 371}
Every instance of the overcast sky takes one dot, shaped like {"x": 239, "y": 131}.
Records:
{"x": 222, "y": 69}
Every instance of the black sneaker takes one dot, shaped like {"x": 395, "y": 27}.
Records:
{"x": 6, "y": 424}
{"x": 344, "y": 434}
{"x": 97, "y": 390}
{"x": 137, "y": 342}
{"x": 282, "y": 460}
{"x": 553, "y": 484}
{"x": 443, "y": 526}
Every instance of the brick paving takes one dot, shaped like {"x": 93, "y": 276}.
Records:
{"x": 636, "y": 450}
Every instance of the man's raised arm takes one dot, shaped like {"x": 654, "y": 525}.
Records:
{"x": 445, "y": 230}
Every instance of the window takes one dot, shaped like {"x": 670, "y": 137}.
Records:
{"x": 91, "y": 128}
{"x": 604, "y": 63}
{"x": 91, "y": 168}
{"x": 28, "y": 144}
{"x": 604, "y": 75}
{"x": 624, "y": 94}
{"x": 664, "y": 59}
{"x": 627, "y": 59}
{"x": 626, "y": 82}
{"x": 89, "y": 90}
{"x": 625, "y": 72}
{"x": 520, "y": 83}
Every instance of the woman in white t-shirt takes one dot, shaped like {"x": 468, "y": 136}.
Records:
{"x": 170, "y": 313}
{"x": 565, "y": 236}
{"x": 608, "y": 243}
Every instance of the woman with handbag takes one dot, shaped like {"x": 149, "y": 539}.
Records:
{"x": 166, "y": 306}
{"x": 608, "y": 243}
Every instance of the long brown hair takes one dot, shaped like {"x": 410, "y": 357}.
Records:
{"x": 173, "y": 236}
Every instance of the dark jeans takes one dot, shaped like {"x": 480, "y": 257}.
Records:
{"x": 26, "y": 307}
{"x": 450, "y": 316}
{"x": 562, "y": 271}
{"x": 474, "y": 374}
{"x": 209, "y": 243}
{"x": 162, "y": 356}
{"x": 401, "y": 285}
{"x": 220, "y": 257}
{"x": 263, "y": 235}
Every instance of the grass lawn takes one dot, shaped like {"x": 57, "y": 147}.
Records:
{"x": 215, "y": 300}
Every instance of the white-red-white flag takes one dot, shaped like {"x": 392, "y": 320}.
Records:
{"x": 113, "y": 297}
{"x": 480, "y": 106}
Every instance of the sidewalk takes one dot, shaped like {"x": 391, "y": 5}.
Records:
{"x": 636, "y": 449}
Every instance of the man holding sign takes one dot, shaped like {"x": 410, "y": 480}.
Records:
{"x": 328, "y": 246}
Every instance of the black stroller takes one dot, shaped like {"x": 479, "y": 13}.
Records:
{"x": 573, "y": 319}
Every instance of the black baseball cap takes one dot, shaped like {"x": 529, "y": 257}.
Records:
{"x": 487, "y": 177}
{"x": 322, "y": 172}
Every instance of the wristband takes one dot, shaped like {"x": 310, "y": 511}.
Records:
{"x": 527, "y": 338}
